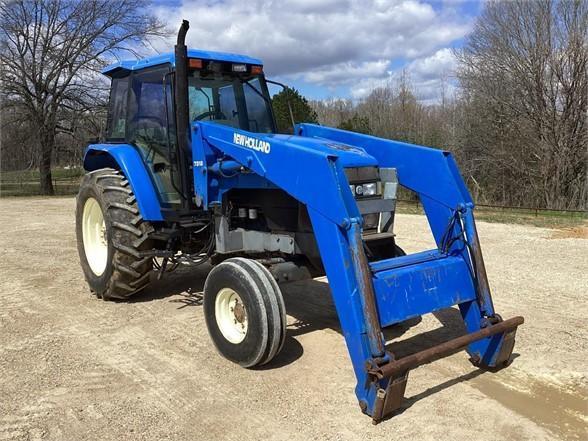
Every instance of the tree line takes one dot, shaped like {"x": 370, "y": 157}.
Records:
{"x": 516, "y": 122}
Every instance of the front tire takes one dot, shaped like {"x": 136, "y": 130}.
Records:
{"x": 112, "y": 236}
{"x": 244, "y": 312}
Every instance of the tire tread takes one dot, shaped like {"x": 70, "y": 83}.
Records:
{"x": 131, "y": 269}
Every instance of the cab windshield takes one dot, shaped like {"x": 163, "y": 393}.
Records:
{"x": 240, "y": 101}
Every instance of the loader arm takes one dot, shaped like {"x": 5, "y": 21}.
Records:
{"x": 298, "y": 171}
{"x": 370, "y": 296}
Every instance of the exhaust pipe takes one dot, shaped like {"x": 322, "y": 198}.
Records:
{"x": 182, "y": 115}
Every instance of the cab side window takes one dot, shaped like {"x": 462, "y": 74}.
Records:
{"x": 147, "y": 119}
{"x": 117, "y": 123}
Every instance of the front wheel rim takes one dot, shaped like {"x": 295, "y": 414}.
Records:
{"x": 94, "y": 236}
{"x": 231, "y": 315}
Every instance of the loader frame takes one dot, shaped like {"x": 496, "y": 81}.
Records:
{"x": 369, "y": 295}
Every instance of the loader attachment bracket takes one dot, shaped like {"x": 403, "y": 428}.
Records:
{"x": 389, "y": 399}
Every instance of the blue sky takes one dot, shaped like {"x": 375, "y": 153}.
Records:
{"x": 333, "y": 48}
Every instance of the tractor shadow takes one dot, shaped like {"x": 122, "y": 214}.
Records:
{"x": 311, "y": 305}
{"x": 186, "y": 282}
{"x": 185, "y": 286}
{"x": 310, "y": 308}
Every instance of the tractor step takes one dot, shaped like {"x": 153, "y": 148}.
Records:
{"x": 390, "y": 399}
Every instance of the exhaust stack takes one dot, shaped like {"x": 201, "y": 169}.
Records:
{"x": 182, "y": 115}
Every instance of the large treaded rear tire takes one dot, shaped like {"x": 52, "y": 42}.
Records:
{"x": 127, "y": 271}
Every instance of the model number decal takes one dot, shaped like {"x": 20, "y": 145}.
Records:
{"x": 252, "y": 143}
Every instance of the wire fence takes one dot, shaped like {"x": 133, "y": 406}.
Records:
{"x": 26, "y": 182}
{"x": 66, "y": 182}
{"x": 534, "y": 210}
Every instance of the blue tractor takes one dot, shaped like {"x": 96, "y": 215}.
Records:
{"x": 191, "y": 169}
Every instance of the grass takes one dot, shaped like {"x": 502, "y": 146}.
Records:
{"x": 26, "y": 182}
{"x": 540, "y": 218}
{"x": 33, "y": 175}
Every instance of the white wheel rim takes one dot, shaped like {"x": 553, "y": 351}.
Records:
{"x": 94, "y": 236}
{"x": 231, "y": 315}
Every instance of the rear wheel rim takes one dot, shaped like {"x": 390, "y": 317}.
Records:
{"x": 94, "y": 236}
{"x": 231, "y": 315}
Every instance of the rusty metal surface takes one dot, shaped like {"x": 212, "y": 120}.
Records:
{"x": 389, "y": 400}
{"x": 366, "y": 291}
{"x": 508, "y": 343}
{"x": 485, "y": 297}
{"x": 412, "y": 361}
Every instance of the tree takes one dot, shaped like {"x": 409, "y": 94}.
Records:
{"x": 52, "y": 52}
{"x": 301, "y": 110}
{"x": 524, "y": 74}
{"x": 356, "y": 123}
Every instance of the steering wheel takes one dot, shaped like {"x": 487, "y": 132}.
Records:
{"x": 215, "y": 113}
{"x": 151, "y": 140}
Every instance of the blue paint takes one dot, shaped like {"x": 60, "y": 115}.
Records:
{"x": 426, "y": 286}
{"x": 315, "y": 172}
{"x": 309, "y": 166}
{"x": 168, "y": 58}
{"x": 126, "y": 158}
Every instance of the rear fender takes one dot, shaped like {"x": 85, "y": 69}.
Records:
{"x": 124, "y": 157}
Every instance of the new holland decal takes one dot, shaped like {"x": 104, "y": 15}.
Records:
{"x": 252, "y": 143}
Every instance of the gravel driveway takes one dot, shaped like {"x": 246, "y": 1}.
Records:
{"x": 74, "y": 368}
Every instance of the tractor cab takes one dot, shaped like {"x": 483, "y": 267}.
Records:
{"x": 227, "y": 89}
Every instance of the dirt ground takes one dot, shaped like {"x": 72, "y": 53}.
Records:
{"x": 73, "y": 367}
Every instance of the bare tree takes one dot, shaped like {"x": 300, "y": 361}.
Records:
{"x": 51, "y": 52}
{"x": 524, "y": 70}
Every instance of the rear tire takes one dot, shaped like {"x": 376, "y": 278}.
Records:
{"x": 111, "y": 254}
{"x": 243, "y": 314}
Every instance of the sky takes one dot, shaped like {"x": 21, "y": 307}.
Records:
{"x": 332, "y": 48}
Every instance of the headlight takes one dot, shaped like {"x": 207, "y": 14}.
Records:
{"x": 370, "y": 189}
{"x": 364, "y": 190}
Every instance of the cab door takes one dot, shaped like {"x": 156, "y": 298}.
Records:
{"x": 150, "y": 128}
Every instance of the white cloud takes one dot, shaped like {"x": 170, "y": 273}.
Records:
{"x": 341, "y": 73}
{"x": 440, "y": 63}
{"x": 325, "y": 42}
{"x": 428, "y": 77}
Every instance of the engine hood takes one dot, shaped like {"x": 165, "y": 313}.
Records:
{"x": 348, "y": 155}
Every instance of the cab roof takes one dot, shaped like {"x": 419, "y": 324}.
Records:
{"x": 169, "y": 58}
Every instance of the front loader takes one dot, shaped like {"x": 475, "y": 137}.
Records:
{"x": 191, "y": 170}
